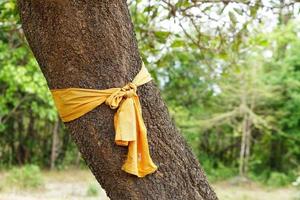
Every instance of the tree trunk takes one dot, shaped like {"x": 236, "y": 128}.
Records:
{"x": 245, "y": 145}
{"x": 91, "y": 44}
{"x": 54, "y": 144}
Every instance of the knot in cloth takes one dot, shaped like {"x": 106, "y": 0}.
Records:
{"x": 128, "y": 91}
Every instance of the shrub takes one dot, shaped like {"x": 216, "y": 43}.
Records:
{"x": 217, "y": 171}
{"x": 28, "y": 177}
{"x": 92, "y": 191}
{"x": 277, "y": 179}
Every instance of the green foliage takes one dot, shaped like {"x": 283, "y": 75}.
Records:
{"x": 93, "y": 190}
{"x": 278, "y": 179}
{"x": 27, "y": 177}
{"x": 217, "y": 171}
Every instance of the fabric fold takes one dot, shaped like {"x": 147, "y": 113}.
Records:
{"x": 130, "y": 129}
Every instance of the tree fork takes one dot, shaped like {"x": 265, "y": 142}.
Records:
{"x": 91, "y": 44}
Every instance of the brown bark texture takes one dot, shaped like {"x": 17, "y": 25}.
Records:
{"x": 91, "y": 44}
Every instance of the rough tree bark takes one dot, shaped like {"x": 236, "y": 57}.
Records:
{"x": 91, "y": 44}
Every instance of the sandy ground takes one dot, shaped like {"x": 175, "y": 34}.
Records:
{"x": 58, "y": 185}
{"x": 253, "y": 191}
{"x": 74, "y": 184}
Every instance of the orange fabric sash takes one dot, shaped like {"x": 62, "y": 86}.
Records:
{"x": 130, "y": 129}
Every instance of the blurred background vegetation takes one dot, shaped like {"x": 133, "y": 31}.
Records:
{"x": 228, "y": 70}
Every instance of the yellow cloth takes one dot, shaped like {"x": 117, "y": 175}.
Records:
{"x": 129, "y": 125}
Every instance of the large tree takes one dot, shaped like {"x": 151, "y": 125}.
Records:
{"x": 91, "y": 44}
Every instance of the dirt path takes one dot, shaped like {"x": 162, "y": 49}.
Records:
{"x": 228, "y": 191}
{"x": 75, "y": 184}
{"x": 59, "y": 185}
